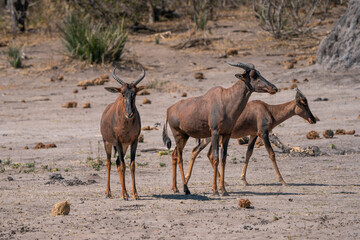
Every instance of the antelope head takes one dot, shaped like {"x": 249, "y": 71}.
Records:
{"x": 302, "y": 108}
{"x": 128, "y": 91}
{"x": 253, "y": 79}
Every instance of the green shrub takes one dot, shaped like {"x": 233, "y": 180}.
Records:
{"x": 95, "y": 43}
{"x": 14, "y": 57}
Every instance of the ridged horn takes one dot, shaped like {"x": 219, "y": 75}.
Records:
{"x": 245, "y": 66}
{"x": 116, "y": 78}
{"x": 141, "y": 78}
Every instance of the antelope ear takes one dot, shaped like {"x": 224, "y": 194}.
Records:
{"x": 113, "y": 89}
{"x": 242, "y": 77}
{"x": 140, "y": 88}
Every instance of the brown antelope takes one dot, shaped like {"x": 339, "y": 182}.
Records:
{"x": 212, "y": 115}
{"x": 257, "y": 120}
{"x": 120, "y": 127}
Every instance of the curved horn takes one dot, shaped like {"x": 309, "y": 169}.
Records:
{"x": 242, "y": 65}
{"x": 116, "y": 78}
{"x": 142, "y": 77}
{"x": 300, "y": 93}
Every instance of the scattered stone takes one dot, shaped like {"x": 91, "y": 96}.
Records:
{"x": 86, "y": 105}
{"x": 231, "y": 52}
{"x": 243, "y": 140}
{"x": 144, "y": 92}
{"x": 294, "y": 80}
{"x": 288, "y": 65}
{"x": 328, "y": 133}
{"x": 141, "y": 138}
{"x": 244, "y": 203}
{"x": 305, "y": 80}
{"x": 290, "y": 55}
{"x": 9, "y": 178}
{"x": 60, "y": 77}
{"x": 184, "y": 94}
{"x": 199, "y": 75}
{"x": 146, "y": 128}
{"x": 56, "y": 176}
{"x": 146, "y": 101}
{"x": 285, "y": 88}
{"x": 293, "y": 86}
{"x": 352, "y": 132}
{"x": 154, "y": 128}
{"x": 61, "y": 208}
{"x": 312, "y": 135}
{"x": 75, "y": 91}
{"x": 340, "y": 132}
{"x": 84, "y": 88}
{"x": 69, "y": 105}
{"x": 97, "y": 81}
{"x": 40, "y": 145}
{"x": 26, "y": 147}
{"x": 321, "y": 99}
{"x": 312, "y": 151}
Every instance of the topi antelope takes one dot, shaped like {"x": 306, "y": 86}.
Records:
{"x": 257, "y": 120}
{"x": 120, "y": 127}
{"x": 212, "y": 115}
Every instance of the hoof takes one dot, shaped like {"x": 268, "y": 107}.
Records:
{"x": 224, "y": 193}
{"x": 175, "y": 190}
{"x": 125, "y": 197}
{"x": 186, "y": 190}
{"x": 284, "y": 184}
{"x": 215, "y": 193}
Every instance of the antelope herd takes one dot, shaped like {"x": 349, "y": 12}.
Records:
{"x": 215, "y": 117}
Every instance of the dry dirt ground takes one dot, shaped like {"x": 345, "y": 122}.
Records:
{"x": 321, "y": 200}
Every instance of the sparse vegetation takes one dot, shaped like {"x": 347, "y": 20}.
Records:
{"x": 162, "y": 165}
{"x": 14, "y": 57}
{"x": 16, "y": 165}
{"x": 95, "y": 43}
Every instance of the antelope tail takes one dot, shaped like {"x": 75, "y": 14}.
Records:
{"x": 165, "y": 136}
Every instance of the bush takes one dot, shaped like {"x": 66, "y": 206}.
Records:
{"x": 285, "y": 18}
{"x": 14, "y": 57}
{"x": 93, "y": 43}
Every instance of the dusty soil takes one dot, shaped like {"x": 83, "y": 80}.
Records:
{"x": 321, "y": 200}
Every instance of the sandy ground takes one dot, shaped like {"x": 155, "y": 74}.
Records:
{"x": 321, "y": 200}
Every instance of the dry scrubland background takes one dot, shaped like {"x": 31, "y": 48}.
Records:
{"x": 322, "y": 197}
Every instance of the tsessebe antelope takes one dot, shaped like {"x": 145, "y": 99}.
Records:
{"x": 120, "y": 126}
{"x": 257, "y": 120}
{"x": 212, "y": 115}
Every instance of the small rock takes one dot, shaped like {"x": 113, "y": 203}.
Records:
{"x": 146, "y": 101}
{"x": 288, "y": 65}
{"x": 144, "y": 92}
{"x": 75, "y": 91}
{"x": 69, "y": 105}
{"x": 55, "y": 176}
{"x": 60, "y": 77}
{"x": 294, "y": 80}
{"x": 328, "y": 133}
{"x": 244, "y": 203}
{"x": 290, "y": 55}
{"x": 26, "y": 147}
{"x": 9, "y": 178}
{"x": 340, "y": 132}
{"x": 184, "y": 94}
{"x": 231, "y": 52}
{"x": 243, "y": 140}
{"x": 84, "y": 87}
{"x": 305, "y": 80}
{"x": 86, "y": 105}
{"x": 199, "y": 75}
{"x": 61, "y": 208}
{"x": 146, "y": 128}
{"x": 154, "y": 128}
{"x": 141, "y": 138}
{"x": 51, "y": 145}
{"x": 293, "y": 86}
{"x": 104, "y": 76}
{"x": 312, "y": 135}
{"x": 40, "y": 145}
{"x": 352, "y": 132}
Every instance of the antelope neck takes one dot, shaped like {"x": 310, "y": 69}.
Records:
{"x": 237, "y": 95}
{"x": 282, "y": 112}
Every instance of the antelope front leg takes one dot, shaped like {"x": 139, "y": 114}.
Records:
{"x": 108, "y": 167}
{"x": 248, "y": 155}
{"x": 195, "y": 152}
{"x": 174, "y": 165}
{"x": 132, "y": 169}
{"x": 272, "y": 157}
{"x": 225, "y": 143}
{"x": 120, "y": 163}
{"x": 215, "y": 148}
